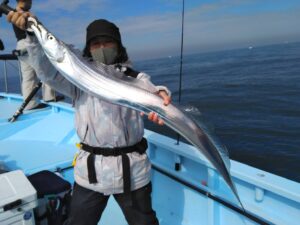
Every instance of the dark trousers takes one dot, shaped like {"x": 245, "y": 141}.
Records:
{"x": 87, "y": 206}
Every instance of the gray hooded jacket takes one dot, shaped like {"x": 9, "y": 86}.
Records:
{"x": 101, "y": 124}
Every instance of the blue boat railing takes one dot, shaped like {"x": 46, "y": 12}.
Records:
{"x": 6, "y": 58}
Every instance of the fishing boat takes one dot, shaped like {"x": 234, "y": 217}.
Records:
{"x": 187, "y": 190}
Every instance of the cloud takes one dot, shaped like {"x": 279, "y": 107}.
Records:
{"x": 69, "y": 30}
{"x": 75, "y": 6}
{"x": 209, "y": 26}
{"x": 255, "y": 28}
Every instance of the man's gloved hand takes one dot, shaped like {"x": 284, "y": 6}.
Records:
{"x": 152, "y": 115}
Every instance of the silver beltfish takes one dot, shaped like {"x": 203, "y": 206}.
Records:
{"x": 107, "y": 83}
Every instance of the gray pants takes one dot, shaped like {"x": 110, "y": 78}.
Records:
{"x": 30, "y": 80}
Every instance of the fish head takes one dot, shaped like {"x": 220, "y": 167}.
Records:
{"x": 53, "y": 48}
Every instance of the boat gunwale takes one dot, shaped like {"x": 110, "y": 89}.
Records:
{"x": 240, "y": 171}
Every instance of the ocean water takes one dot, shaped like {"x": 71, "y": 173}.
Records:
{"x": 249, "y": 98}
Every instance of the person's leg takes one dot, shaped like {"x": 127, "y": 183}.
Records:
{"x": 29, "y": 81}
{"x": 86, "y": 206}
{"x": 140, "y": 212}
{"x": 29, "y": 78}
{"x": 48, "y": 93}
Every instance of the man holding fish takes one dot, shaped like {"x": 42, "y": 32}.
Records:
{"x": 112, "y": 159}
{"x": 121, "y": 96}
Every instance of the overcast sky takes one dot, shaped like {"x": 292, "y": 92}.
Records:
{"x": 152, "y": 29}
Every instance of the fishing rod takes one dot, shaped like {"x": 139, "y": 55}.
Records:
{"x": 4, "y": 8}
{"x": 25, "y": 103}
{"x": 181, "y": 61}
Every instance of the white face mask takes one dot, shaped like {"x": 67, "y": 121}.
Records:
{"x": 105, "y": 55}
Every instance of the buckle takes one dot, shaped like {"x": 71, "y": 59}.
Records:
{"x": 79, "y": 145}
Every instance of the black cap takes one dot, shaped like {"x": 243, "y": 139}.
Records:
{"x": 104, "y": 29}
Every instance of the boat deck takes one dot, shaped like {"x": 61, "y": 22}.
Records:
{"x": 194, "y": 194}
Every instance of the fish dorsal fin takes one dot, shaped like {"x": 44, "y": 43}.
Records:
{"x": 194, "y": 113}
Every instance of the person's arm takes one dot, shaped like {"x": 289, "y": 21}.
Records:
{"x": 162, "y": 91}
{"x": 23, "y": 6}
{"x": 148, "y": 85}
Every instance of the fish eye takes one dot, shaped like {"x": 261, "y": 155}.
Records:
{"x": 50, "y": 37}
